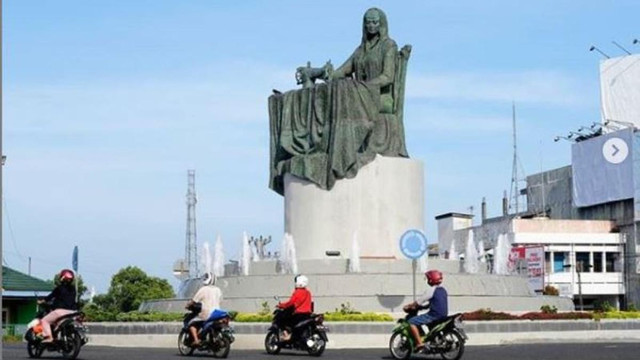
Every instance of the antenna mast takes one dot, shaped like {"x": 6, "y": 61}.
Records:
{"x": 515, "y": 191}
{"x": 191, "y": 241}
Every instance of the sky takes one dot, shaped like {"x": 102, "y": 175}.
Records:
{"x": 107, "y": 104}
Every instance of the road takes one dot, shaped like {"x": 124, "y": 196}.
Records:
{"x": 580, "y": 351}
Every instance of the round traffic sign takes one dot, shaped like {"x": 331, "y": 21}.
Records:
{"x": 413, "y": 244}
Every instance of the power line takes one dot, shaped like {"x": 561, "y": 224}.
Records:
{"x": 13, "y": 239}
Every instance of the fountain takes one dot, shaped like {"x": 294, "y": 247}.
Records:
{"x": 453, "y": 254}
{"x": 354, "y": 259}
{"x": 218, "y": 258}
{"x": 501, "y": 255}
{"x": 245, "y": 258}
{"x": 206, "y": 257}
{"x": 288, "y": 262}
{"x": 471, "y": 255}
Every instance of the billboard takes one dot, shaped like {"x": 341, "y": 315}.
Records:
{"x": 620, "y": 89}
{"x": 603, "y": 168}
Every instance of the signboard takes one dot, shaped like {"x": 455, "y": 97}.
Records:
{"x": 413, "y": 244}
{"x": 534, "y": 256}
{"x": 603, "y": 168}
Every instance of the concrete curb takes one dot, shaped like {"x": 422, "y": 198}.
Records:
{"x": 376, "y": 335}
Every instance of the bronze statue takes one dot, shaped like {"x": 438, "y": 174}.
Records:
{"x": 328, "y": 131}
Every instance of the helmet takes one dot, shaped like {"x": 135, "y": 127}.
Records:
{"x": 434, "y": 277}
{"x": 208, "y": 279}
{"x": 66, "y": 275}
{"x": 301, "y": 281}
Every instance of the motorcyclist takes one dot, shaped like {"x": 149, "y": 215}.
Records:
{"x": 63, "y": 298}
{"x": 209, "y": 296}
{"x": 300, "y": 300}
{"x": 436, "y": 298}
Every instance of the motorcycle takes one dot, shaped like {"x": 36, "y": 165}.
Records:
{"x": 446, "y": 337}
{"x": 215, "y": 333}
{"x": 308, "y": 335}
{"x": 68, "y": 332}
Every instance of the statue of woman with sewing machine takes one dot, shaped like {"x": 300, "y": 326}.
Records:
{"x": 327, "y": 131}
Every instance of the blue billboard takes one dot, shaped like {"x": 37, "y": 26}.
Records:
{"x": 603, "y": 168}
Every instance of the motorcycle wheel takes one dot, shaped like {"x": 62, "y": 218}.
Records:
{"x": 183, "y": 348}
{"x": 316, "y": 351}
{"x": 221, "y": 347}
{"x": 33, "y": 348}
{"x": 454, "y": 346}
{"x": 400, "y": 346}
{"x": 70, "y": 348}
{"x": 271, "y": 343}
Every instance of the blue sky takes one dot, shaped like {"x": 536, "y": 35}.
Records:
{"x": 108, "y": 103}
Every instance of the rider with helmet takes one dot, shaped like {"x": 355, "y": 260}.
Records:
{"x": 63, "y": 299}
{"x": 301, "y": 301}
{"x": 436, "y": 298}
{"x": 209, "y": 296}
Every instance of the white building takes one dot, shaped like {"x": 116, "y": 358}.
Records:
{"x": 582, "y": 258}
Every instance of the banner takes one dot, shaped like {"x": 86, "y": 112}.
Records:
{"x": 74, "y": 259}
{"x": 534, "y": 255}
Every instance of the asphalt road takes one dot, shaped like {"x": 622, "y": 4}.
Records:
{"x": 580, "y": 351}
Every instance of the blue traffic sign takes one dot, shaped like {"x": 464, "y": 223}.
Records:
{"x": 413, "y": 244}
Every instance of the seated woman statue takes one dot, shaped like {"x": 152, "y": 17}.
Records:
{"x": 328, "y": 131}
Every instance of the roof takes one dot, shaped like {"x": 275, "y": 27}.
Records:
{"x": 13, "y": 280}
{"x": 454, "y": 214}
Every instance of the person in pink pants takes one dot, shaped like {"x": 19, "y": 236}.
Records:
{"x": 63, "y": 299}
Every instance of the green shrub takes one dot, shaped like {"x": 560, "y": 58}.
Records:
{"x": 346, "y": 309}
{"x": 368, "y": 316}
{"x": 136, "y": 316}
{"x": 549, "y": 309}
{"x": 11, "y": 338}
{"x": 253, "y": 317}
{"x": 619, "y": 315}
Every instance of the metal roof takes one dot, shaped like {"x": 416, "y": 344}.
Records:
{"x": 13, "y": 280}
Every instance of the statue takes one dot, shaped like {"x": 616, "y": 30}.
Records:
{"x": 259, "y": 244}
{"x": 327, "y": 131}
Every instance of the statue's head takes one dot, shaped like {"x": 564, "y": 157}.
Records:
{"x": 374, "y": 22}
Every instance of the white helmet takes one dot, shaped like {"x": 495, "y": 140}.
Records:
{"x": 208, "y": 279}
{"x": 301, "y": 281}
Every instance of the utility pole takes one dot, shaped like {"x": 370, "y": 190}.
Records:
{"x": 191, "y": 240}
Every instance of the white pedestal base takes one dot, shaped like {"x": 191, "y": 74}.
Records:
{"x": 384, "y": 200}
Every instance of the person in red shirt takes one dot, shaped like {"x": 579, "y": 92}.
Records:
{"x": 301, "y": 301}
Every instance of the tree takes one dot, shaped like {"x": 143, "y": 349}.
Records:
{"x": 130, "y": 287}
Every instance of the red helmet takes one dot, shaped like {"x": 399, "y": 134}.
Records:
{"x": 66, "y": 275}
{"x": 434, "y": 277}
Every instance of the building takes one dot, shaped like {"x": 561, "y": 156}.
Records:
{"x": 19, "y": 299}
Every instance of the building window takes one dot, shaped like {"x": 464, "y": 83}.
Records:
{"x": 612, "y": 262}
{"x": 559, "y": 259}
{"x": 597, "y": 262}
{"x": 5, "y": 316}
{"x": 582, "y": 261}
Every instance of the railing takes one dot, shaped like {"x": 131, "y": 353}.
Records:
{"x": 14, "y": 329}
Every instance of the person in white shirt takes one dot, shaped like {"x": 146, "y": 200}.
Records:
{"x": 209, "y": 296}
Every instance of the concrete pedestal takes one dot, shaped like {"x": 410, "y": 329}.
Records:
{"x": 384, "y": 200}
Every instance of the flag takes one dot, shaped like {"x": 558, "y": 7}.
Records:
{"x": 74, "y": 259}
